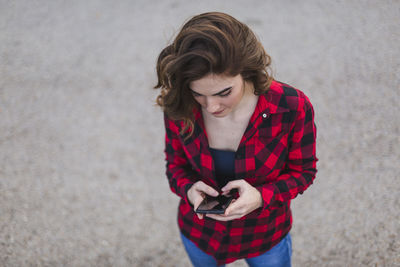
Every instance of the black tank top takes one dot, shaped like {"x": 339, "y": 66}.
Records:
{"x": 224, "y": 165}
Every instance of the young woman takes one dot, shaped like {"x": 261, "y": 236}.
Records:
{"x": 230, "y": 126}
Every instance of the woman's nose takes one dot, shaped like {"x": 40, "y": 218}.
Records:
{"x": 212, "y": 104}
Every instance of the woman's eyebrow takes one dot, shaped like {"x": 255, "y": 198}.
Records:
{"x": 220, "y": 92}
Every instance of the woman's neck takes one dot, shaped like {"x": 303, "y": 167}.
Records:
{"x": 246, "y": 105}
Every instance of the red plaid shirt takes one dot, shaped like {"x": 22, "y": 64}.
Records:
{"x": 276, "y": 155}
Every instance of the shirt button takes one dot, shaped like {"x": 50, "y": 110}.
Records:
{"x": 265, "y": 115}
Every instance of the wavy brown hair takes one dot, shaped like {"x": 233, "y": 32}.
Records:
{"x": 208, "y": 43}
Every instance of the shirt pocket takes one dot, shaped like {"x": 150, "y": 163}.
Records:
{"x": 271, "y": 150}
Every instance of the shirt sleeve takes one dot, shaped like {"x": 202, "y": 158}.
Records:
{"x": 300, "y": 169}
{"x": 178, "y": 169}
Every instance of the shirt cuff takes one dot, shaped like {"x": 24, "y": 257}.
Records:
{"x": 268, "y": 195}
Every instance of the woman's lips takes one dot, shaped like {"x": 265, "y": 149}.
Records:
{"x": 218, "y": 112}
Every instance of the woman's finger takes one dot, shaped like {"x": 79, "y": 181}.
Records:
{"x": 197, "y": 201}
{"x": 234, "y": 207}
{"x": 199, "y": 198}
{"x": 236, "y": 184}
{"x": 201, "y": 186}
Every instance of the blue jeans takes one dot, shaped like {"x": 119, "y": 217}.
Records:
{"x": 278, "y": 256}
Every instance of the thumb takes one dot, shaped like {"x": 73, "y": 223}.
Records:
{"x": 237, "y": 184}
{"x": 208, "y": 190}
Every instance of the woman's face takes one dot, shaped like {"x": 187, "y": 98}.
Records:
{"x": 218, "y": 94}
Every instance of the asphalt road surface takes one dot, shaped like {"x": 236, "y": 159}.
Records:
{"x": 82, "y": 178}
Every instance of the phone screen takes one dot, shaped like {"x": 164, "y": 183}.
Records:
{"x": 214, "y": 205}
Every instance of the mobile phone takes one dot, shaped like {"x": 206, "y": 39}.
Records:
{"x": 214, "y": 205}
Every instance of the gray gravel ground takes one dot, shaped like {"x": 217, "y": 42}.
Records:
{"x": 81, "y": 144}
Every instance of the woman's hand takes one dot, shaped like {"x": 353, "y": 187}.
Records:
{"x": 197, "y": 193}
{"x": 249, "y": 200}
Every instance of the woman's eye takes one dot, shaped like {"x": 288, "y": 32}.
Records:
{"x": 226, "y": 93}
{"x": 196, "y": 94}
